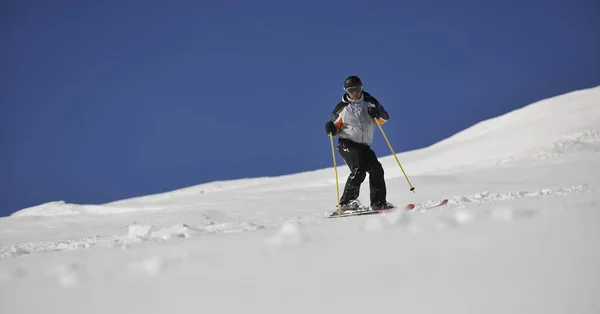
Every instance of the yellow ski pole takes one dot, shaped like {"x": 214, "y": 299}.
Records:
{"x": 412, "y": 188}
{"x": 337, "y": 190}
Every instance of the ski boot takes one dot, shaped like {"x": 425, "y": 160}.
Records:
{"x": 382, "y": 206}
{"x": 353, "y": 205}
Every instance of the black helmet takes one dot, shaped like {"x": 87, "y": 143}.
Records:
{"x": 352, "y": 81}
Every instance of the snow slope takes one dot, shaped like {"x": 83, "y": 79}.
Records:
{"x": 519, "y": 235}
{"x": 546, "y": 130}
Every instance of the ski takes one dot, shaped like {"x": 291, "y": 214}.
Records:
{"x": 407, "y": 207}
{"x": 352, "y": 213}
{"x": 444, "y": 202}
{"x": 368, "y": 211}
{"x": 413, "y": 206}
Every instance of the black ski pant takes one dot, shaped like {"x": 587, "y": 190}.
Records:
{"x": 361, "y": 159}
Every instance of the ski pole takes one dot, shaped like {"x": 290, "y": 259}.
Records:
{"x": 337, "y": 190}
{"x": 412, "y": 188}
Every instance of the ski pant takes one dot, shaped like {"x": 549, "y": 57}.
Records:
{"x": 361, "y": 159}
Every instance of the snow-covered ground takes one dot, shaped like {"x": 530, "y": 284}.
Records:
{"x": 520, "y": 235}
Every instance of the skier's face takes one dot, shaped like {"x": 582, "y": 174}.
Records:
{"x": 354, "y": 92}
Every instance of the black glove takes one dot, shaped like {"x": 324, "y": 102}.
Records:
{"x": 374, "y": 112}
{"x": 330, "y": 128}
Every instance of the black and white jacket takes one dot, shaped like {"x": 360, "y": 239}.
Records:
{"x": 352, "y": 120}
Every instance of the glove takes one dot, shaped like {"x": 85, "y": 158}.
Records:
{"x": 374, "y": 112}
{"x": 330, "y": 128}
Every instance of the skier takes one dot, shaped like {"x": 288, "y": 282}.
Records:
{"x": 353, "y": 120}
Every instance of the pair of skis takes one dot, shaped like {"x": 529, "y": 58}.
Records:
{"x": 367, "y": 211}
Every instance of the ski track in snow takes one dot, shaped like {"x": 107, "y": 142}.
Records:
{"x": 492, "y": 196}
{"x": 137, "y": 233}
{"x": 571, "y": 144}
{"x": 290, "y": 234}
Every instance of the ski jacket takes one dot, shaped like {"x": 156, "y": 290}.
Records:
{"x": 352, "y": 120}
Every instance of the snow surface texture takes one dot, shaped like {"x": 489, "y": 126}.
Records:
{"x": 519, "y": 235}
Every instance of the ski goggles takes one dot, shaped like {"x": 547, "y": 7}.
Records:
{"x": 354, "y": 89}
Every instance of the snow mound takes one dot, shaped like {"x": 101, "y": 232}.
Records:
{"x": 57, "y": 208}
{"x": 140, "y": 232}
{"x": 61, "y": 208}
{"x": 234, "y": 227}
{"x": 175, "y": 231}
{"x": 40, "y": 247}
{"x": 12, "y": 251}
{"x": 288, "y": 234}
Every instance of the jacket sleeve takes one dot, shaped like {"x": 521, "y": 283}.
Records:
{"x": 384, "y": 114}
{"x": 337, "y": 116}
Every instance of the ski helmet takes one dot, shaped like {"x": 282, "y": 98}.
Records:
{"x": 352, "y": 81}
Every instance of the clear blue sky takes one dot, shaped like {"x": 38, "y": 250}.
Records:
{"x": 105, "y": 100}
